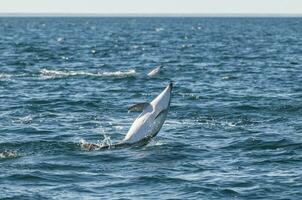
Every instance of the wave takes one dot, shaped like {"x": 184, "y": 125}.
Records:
{"x": 260, "y": 144}
{"x": 48, "y": 74}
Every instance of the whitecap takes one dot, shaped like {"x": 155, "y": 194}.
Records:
{"x": 130, "y": 72}
{"x": 53, "y": 73}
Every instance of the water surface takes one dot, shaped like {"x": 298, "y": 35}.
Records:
{"x": 233, "y": 131}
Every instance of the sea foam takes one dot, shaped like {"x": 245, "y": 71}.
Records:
{"x": 49, "y": 74}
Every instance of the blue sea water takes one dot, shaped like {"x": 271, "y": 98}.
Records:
{"x": 234, "y": 130}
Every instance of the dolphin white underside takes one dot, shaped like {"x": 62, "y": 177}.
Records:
{"x": 147, "y": 124}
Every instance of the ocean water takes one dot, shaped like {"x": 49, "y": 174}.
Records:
{"x": 234, "y": 129}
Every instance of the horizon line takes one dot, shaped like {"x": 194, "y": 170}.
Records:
{"x": 45, "y": 14}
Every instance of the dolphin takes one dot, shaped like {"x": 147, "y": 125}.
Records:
{"x": 146, "y": 125}
{"x": 155, "y": 71}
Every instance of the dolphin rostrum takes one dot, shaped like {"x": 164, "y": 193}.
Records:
{"x": 147, "y": 124}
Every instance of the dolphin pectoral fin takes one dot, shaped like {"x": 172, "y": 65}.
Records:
{"x": 163, "y": 112}
{"x": 138, "y": 107}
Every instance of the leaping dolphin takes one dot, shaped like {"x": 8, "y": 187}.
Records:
{"x": 147, "y": 124}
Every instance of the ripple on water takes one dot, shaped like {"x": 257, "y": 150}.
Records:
{"x": 233, "y": 130}
{"x": 252, "y": 143}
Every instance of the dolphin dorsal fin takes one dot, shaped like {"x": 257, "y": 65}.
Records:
{"x": 138, "y": 107}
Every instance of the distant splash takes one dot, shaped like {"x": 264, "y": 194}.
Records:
{"x": 228, "y": 78}
{"x": 159, "y": 29}
{"x": 9, "y": 154}
{"x": 24, "y": 120}
{"x": 190, "y": 96}
{"x": 60, "y": 39}
{"x": 4, "y": 76}
{"x": 186, "y": 46}
{"x": 49, "y": 74}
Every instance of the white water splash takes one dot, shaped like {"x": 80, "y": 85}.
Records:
{"x": 60, "y": 39}
{"x": 83, "y": 143}
{"x": 155, "y": 142}
{"x": 4, "y": 76}
{"x": 228, "y": 78}
{"x": 49, "y": 74}
{"x": 106, "y": 141}
{"x": 65, "y": 58}
{"x": 185, "y": 46}
{"x": 24, "y": 120}
{"x": 159, "y": 29}
{"x": 9, "y": 154}
{"x": 189, "y": 95}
